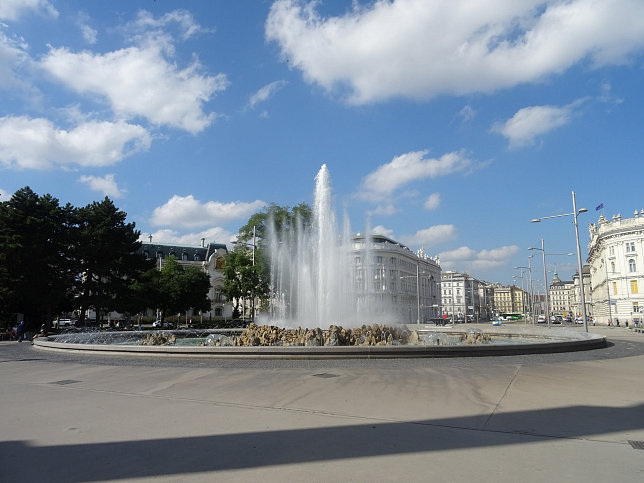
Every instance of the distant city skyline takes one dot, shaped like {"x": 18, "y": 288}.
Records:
{"x": 447, "y": 125}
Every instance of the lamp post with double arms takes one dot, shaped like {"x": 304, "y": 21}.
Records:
{"x": 575, "y": 213}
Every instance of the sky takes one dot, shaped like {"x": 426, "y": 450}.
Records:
{"x": 445, "y": 124}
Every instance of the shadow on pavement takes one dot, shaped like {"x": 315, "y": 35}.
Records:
{"x": 195, "y": 454}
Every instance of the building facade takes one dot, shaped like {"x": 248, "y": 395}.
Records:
{"x": 209, "y": 257}
{"x": 561, "y": 294}
{"x": 461, "y": 296}
{"x": 616, "y": 261}
{"x": 391, "y": 277}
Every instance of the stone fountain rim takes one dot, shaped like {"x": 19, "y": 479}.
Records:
{"x": 574, "y": 341}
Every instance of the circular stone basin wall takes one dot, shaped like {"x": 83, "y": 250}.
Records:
{"x": 428, "y": 341}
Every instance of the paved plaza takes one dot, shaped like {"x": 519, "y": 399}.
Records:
{"x": 532, "y": 418}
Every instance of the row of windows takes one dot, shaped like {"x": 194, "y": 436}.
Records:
{"x": 184, "y": 256}
{"x": 634, "y": 287}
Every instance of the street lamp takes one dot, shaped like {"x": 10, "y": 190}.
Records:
{"x": 253, "y": 245}
{"x": 575, "y": 213}
{"x": 530, "y": 287}
{"x": 417, "y": 277}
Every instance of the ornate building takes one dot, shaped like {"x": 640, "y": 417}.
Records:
{"x": 208, "y": 257}
{"x": 616, "y": 259}
{"x": 391, "y": 277}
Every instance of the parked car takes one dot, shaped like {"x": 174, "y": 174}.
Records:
{"x": 541, "y": 319}
{"x": 63, "y": 322}
{"x": 164, "y": 325}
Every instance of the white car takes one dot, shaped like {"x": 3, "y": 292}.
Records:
{"x": 541, "y": 319}
{"x": 62, "y": 322}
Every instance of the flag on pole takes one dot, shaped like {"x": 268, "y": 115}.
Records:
{"x": 599, "y": 207}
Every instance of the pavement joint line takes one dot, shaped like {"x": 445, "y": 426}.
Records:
{"x": 368, "y": 419}
{"x": 505, "y": 392}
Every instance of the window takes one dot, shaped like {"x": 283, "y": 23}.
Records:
{"x": 636, "y": 307}
{"x": 634, "y": 286}
{"x": 630, "y": 247}
{"x": 614, "y": 288}
{"x": 612, "y": 267}
{"x": 611, "y": 250}
{"x": 631, "y": 265}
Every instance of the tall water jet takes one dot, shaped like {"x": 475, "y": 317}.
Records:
{"x": 311, "y": 269}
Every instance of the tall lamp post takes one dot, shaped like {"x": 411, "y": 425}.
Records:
{"x": 417, "y": 277}
{"x": 545, "y": 276}
{"x": 575, "y": 213}
{"x": 253, "y": 245}
{"x": 530, "y": 305}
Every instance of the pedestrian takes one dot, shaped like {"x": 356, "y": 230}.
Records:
{"x": 21, "y": 330}
{"x": 617, "y": 322}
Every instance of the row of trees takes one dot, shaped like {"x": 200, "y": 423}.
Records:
{"x": 56, "y": 259}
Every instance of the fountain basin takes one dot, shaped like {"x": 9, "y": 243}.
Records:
{"x": 505, "y": 340}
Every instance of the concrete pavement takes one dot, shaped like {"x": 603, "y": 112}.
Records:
{"x": 559, "y": 417}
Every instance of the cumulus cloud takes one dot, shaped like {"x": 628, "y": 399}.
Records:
{"x": 5, "y": 195}
{"x": 432, "y": 202}
{"x": 431, "y": 236}
{"x": 211, "y": 235}
{"x": 38, "y": 144}
{"x": 13, "y": 9}
{"x": 106, "y": 185}
{"x": 187, "y": 212}
{"x": 421, "y": 49}
{"x": 409, "y": 167}
{"x": 382, "y": 230}
{"x": 265, "y": 93}
{"x": 139, "y": 81}
{"x": 467, "y": 259}
{"x": 530, "y": 122}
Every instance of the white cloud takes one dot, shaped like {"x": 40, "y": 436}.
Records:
{"x": 5, "y": 195}
{"x": 265, "y": 93}
{"x": 420, "y": 49}
{"x": 467, "y": 259}
{"x": 432, "y": 202}
{"x": 467, "y": 113}
{"x": 106, "y": 185}
{"x": 382, "y": 230}
{"x": 187, "y": 212}
{"x": 431, "y": 236}
{"x": 386, "y": 209}
{"x": 12, "y": 9}
{"x": 530, "y": 122}
{"x": 409, "y": 167}
{"x": 143, "y": 79}
{"x": 38, "y": 144}
{"x": 12, "y": 56}
{"x": 211, "y": 235}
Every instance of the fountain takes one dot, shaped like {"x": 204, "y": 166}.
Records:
{"x": 312, "y": 282}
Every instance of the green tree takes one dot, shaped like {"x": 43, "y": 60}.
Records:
{"x": 35, "y": 267}
{"x": 180, "y": 288}
{"x": 106, "y": 256}
{"x": 242, "y": 279}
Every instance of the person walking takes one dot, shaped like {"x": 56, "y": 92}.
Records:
{"x": 21, "y": 331}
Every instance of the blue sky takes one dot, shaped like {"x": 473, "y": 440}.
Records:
{"x": 445, "y": 124}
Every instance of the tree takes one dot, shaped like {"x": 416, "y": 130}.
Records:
{"x": 242, "y": 278}
{"x": 106, "y": 257}
{"x": 180, "y": 288}
{"x": 35, "y": 267}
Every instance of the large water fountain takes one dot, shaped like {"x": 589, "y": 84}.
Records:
{"x": 316, "y": 312}
{"x": 311, "y": 269}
